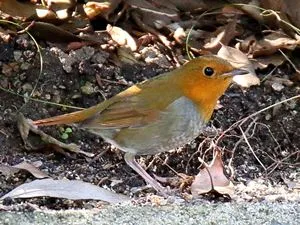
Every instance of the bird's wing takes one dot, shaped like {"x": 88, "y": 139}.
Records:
{"x": 129, "y": 112}
{"x": 137, "y": 106}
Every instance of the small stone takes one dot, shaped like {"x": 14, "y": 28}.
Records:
{"x": 47, "y": 96}
{"x": 29, "y": 54}
{"x": 277, "y": 86}
{"x": 7, "y": 70}
{"x": 17, "y": 55}
{"x": 76, "y": 96}
{"x": 25, "y": 66}
{"x": 100, "y": 57}
{"x": 268, "y": 117}
{"x": 4, "y": 82}
{"x": 27, "y": 87}
{"x": 88, "y": 88}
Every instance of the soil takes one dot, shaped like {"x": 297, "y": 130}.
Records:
{"x": 274, "y": 134}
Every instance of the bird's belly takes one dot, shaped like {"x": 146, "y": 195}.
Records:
{"x": 179, "y": 124}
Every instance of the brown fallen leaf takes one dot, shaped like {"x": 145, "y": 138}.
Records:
{"x": 239, "y": 60}
{"x": 50, "y": 32}
{"x": 93, "y": 9}
{"x": 69, "y": 189}
{"x": 222, "y": 35}
{"x": 18, "y": 10}
{"x": 212, "y": 178}
{"x": 35, "y": 171}
{"x": 282, "y": 14}
{"x": 268, "y": 45}
{"x": 8, "y": 170}
{"x": 264, "y": 61}
{"x": 122, "y": 37}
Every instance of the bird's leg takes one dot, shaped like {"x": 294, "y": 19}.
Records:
{"x": 130, "y": 160}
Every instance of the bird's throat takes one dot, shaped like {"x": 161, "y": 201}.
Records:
{"x": 205, "y": 97}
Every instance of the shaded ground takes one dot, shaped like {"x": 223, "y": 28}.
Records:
{"x": 274, "y": 136}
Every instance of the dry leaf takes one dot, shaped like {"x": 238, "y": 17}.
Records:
{"x": 70, "y": 189}
{"x": 122, "y": 37}
{"x": 52, "y": 33}
{"x": 126, "y": 56}
{"x": 264, "y": 61}
{"x": 267, "y": 45}
{"x": 17, "y": 9}
{"x": 287, "y": 14}
{"x": 179, "y": 35}
{"x": 31, "y": 169}
{"x": 240, "y": 60}
{"x": 62, "y": 8}
{"x": 93, "y": 9}
{"x": 222, "y": 35}
{"x": 8, "y": 170}
{"x": 212, "y": 178}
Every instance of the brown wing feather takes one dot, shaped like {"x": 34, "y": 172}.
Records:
{"x": 122, "y": 114}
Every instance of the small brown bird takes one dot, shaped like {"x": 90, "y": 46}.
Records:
{"x": 157, "y": 115}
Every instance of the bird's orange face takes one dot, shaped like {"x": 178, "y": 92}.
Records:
{"x": 204, "y": 80}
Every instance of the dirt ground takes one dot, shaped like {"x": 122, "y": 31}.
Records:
{"x": 274, "y": 134}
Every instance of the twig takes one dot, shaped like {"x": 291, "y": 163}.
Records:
{"x": 242, "y": 121}
{"x": 234, "y": 150}
{"x": 251, "y": 149}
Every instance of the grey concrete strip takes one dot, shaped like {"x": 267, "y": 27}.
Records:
{"x": 225, "y": 213}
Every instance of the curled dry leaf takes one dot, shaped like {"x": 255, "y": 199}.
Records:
{"x": 8, "y": 170}
{"x": 268, "y": 45}
{"x": 240, "y": 60}
{"x": 285, "y": 14}
{"x": 222, "y": 35}
{"x": 92, "y": 8}
{"x": 179, "y": 35}
{"x": 69, "y": 189}
{"x": 212, "y": 178}
{"x": 122, "y": 37}
{"x": 31, "y": 169}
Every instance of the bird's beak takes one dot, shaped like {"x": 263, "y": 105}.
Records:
{"x": 235, "y": 72}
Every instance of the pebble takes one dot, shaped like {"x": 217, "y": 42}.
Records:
{"x": 277, "y": 86}
{"x": 88, "y": 88}
{"x": 17, "y": 55}
{"x": 27, "y": 87}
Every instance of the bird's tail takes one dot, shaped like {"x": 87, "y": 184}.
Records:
{"x": 69, "y": 118}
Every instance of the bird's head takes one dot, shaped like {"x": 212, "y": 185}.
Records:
{"x": 204, "y": 80}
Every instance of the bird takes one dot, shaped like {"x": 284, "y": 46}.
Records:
{"x": 159, "y": 114}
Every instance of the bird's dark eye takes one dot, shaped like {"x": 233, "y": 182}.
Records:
{"x": 208, "y": 71}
